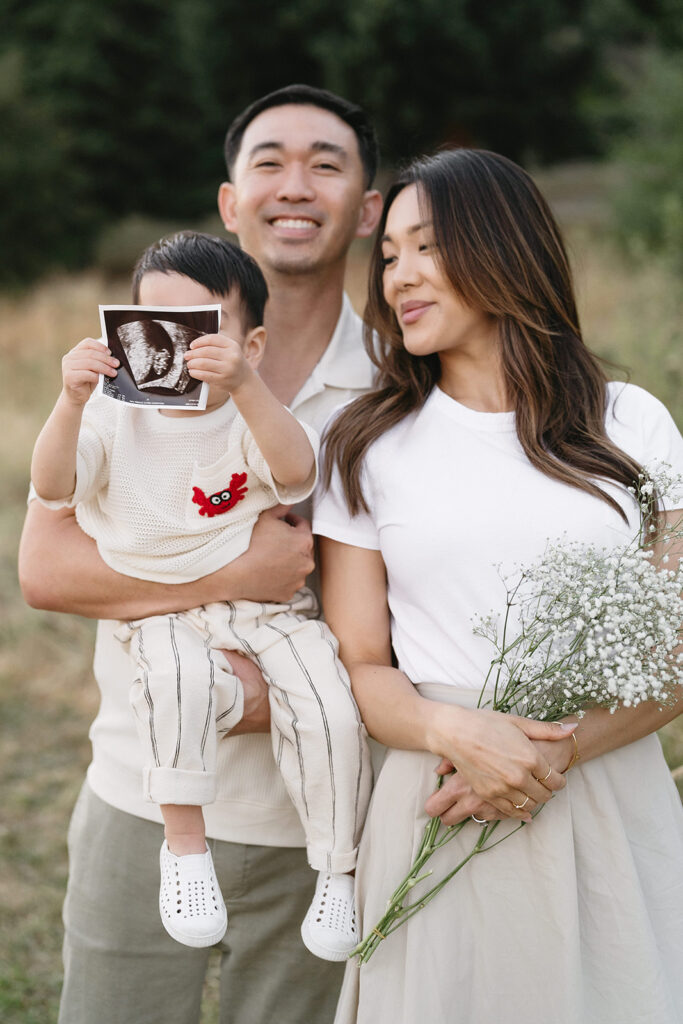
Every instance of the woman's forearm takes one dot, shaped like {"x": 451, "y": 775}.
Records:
{"x": 599, "y": 732}
{"x": 393, "y": 711}
{"x": 492, "y": 751}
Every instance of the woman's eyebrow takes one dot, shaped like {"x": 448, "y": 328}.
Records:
{"x": 411, "y": 231}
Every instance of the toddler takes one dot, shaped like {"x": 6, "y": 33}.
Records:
{"x": 172, "y": 495}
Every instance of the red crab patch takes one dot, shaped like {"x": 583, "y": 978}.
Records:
{"x": 221, "y": 501}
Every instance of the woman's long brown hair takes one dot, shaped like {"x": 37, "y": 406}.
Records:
{"x": 501, "y": 249}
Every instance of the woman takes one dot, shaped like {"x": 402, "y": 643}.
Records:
{"x": 492, "y": 430}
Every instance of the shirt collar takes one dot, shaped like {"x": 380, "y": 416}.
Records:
{"x": 345, "y": 363}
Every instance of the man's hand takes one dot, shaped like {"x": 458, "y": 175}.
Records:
{"x": 279, "y": 557}
{"x": 256, "y": 717}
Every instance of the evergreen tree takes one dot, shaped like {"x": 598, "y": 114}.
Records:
{"x": 119, "y": 108}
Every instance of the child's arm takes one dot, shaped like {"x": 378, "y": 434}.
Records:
{"x": 280, "y": 437}
{"x": 53, "y": 466}
{"x": 282, "y": 441}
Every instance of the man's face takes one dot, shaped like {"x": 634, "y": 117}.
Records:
{"x": 297, "y": 199}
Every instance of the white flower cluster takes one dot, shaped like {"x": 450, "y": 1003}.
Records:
{"x": 596, "y": 627}
{"x": 658, "y": 478}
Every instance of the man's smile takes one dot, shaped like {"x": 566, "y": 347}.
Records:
{"x": 294, "y": 226}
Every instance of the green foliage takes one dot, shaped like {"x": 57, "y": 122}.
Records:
{"x": 122, "y": 82}
{"x": 37, "y": 222}
{"x": 103, "y": 121}
{"x": 118, "y": 109}
{"x": 504, "y": 76}
{"x": 649, "y": 205}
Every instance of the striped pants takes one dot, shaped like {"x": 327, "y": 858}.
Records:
{"x": 185, "y": 697}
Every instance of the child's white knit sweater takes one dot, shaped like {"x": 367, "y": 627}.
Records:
{"x": 171, "y": 499}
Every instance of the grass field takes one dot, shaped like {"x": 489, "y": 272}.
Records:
{"x": 47, "y": 697}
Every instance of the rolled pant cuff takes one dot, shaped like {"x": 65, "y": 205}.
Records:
{"x": 178, "y": 786}
{"x": 333, "y": 863}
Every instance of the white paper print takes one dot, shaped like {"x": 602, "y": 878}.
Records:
{"x": 150, "y": 343}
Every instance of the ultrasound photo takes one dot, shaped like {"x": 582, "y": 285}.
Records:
{"x": 150, "y": 344}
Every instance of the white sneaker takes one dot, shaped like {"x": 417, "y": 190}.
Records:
{"x": 329, "y": 929}
{"x": 190, "y": 901}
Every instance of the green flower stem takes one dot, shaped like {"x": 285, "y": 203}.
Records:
{"x": 398, "y": 911}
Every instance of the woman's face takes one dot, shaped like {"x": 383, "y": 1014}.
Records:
{"x": 431, "y": 315}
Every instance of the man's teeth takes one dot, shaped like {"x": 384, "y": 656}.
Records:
{"x": 287, "y": 222}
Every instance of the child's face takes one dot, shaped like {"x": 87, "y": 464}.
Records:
{"x": 157, "y": 289}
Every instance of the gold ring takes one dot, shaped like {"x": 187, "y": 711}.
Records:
{"x": 575, "y": 755}
{"x": 546, "y": 775}
{"x": 520, "y": 806}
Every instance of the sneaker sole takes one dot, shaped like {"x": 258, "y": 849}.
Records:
{"x": 322, "y": 951}
{"x": 197, "y": 941}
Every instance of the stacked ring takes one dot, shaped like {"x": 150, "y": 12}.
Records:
{"x": 575, "y": 755}
{"x": 526, "y": 801}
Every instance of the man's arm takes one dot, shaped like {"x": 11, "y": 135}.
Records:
{"x": 60, "y": 570}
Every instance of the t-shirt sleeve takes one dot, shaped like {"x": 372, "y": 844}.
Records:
{"x": 92, "y": 456}
{"x": 660, "y": 440}
{"x": 257, "y": 463}
{"x": 331, "y": 516}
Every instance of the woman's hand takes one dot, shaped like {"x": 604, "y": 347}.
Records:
{"x": 456, "y": 801}
{"x": 559, "y": 754}
{"x": 495, "y": 755}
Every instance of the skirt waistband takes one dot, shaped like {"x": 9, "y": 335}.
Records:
{"x": 449, "y": 694}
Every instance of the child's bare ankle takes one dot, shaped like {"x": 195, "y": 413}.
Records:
{"x": 181, "y": 844}
{"x": 184, "y": 829}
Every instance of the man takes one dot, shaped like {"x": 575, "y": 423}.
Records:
{"x": 301, "y": 163}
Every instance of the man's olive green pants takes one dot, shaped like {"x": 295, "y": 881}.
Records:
{"x": 121, "y": 967}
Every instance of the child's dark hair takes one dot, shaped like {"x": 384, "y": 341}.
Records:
{"x": 212, "y": 262}
{"x": 308, "y": 95}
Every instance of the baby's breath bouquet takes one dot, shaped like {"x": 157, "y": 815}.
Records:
{"x": 594, "y": 627}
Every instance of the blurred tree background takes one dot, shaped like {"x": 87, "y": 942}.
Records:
{"x": 115, "y": 109}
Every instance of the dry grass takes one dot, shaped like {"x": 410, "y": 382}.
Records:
{"x": 47, "y": 697}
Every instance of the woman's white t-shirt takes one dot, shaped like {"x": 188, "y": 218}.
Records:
{"x": 455, "y": 504}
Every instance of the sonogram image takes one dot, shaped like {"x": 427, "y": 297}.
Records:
{"x": 151, "y": 344}
{"x": 155, "y": 350}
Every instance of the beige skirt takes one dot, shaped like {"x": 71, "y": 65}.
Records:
{"x": 575, "y": 919}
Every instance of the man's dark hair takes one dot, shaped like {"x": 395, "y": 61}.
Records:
{"x": 212, "y": 262}
{"x": 353, "y": 115}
